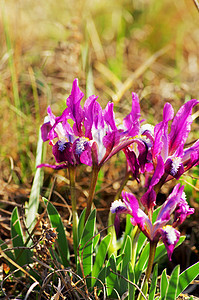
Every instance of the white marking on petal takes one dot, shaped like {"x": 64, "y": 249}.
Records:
{"x": 170, "y": 234}
{"x": 98, "y": 135}
{"x": 184, "y": 197}
{"x": 116, "y": 204}
{"x": 147, "y": 127}
{"x": 176, "y": 162}
{"x": 46, "y": 119}
{"x": 80, "y": 146}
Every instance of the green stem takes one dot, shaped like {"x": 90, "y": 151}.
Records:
{"x": 74, "y": 206}
{"x": 151, "y": 259}
{"x": 124, "y": 181}
{"x": 94, "y": 176}
{"x": 144, "y": 287}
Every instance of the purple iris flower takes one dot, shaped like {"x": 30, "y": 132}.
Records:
{"x": 138, "y": 153}
{"x": 175, "y": 204}
{"x": 93, "y": 137}
{"x": 170, "y": 146}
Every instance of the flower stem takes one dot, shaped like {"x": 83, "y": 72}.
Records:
{"x": 124, "y": 181}
{"x": 94, "y": 176}
{"x": 151, "y": 259}
{"x": 74, "y": 206}
{"x": 149, "y": 269}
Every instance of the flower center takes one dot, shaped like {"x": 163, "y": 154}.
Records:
{"x": 170, "y": 234}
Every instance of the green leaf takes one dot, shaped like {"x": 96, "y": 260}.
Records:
{"x": 96, "y": 239}
{"x": 22, "y": 256}
{"x": 173, "y": 284}
{"x": 86, "y": 247}
{"x": 56, "y": 223}
{"x": 101, "y": 278}
{"x": 142, "y": 262}
{"x": 131, "y": 287}
{"x": 111, "y": 278}
{"x": 125, "y": 265}
{"x": 153, "y": 283}
{"x": 186, "y": 277}
{"x": 119, "y": 259}
{"x": 128, "y": 230}
{"x": 141, "y": 243}
{"x": 33, "y": 204}
{"x": 100, "y": 257}
{"x": 111, "y": 229}
{"x": 81, "y": 224}
{"x": 163, "y": 285}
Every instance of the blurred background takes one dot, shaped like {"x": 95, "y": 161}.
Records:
{"x": 114, "y": 48}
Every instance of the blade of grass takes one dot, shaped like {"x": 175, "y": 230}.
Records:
{"x": 22, "y": 256}
{"x": 173, "y": 284}
{"x": 95, "y": 39}
{"x": 90, "y": 88}
{"x": 100, "y": 257}
{"x": 106, "y": 72}
{"x": 11, "y": 58}
{"x": 35, "y": 190}
{"x": 129, "y": 81}
{"x": 35, "y": 95}
{"x": 86, "y": 247}
{"x": 186, "y": 277}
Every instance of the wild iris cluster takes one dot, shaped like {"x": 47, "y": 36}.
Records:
{"x": 89, "y": 135}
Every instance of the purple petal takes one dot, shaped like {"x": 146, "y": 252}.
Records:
{"x": 159, "y": 171}
{"x": 75, "y": 109}
{"x": 63, "y": 152}
{"x": 94, "y": 151}
{"x": 181, "y": 126}
{"x": 170, "y": 237}
{"x": 56, "y": 167}
{"x": 182, "y": 211}
{"x": 92, "y": 109}
{"x": 45, "y": 129}
{"x": 161, "y": 132}
{"x": 190, "y": 157}
{"x": 110, "y": 142}
{"x": 118, "y": 141}
{"x": 170, "y": 205}
{"x": 132, "y": 162}
{"x": 109, "y": 117}
{"x": 174, "y": 167}
{"x": 82, "y": 151}
{"x": 131, "y": 121}
{"x": 148, "y": 200}
{"x": 139, "y": 217}
{"x": 143, "y": 155}
{"x": 130, "y": 201}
